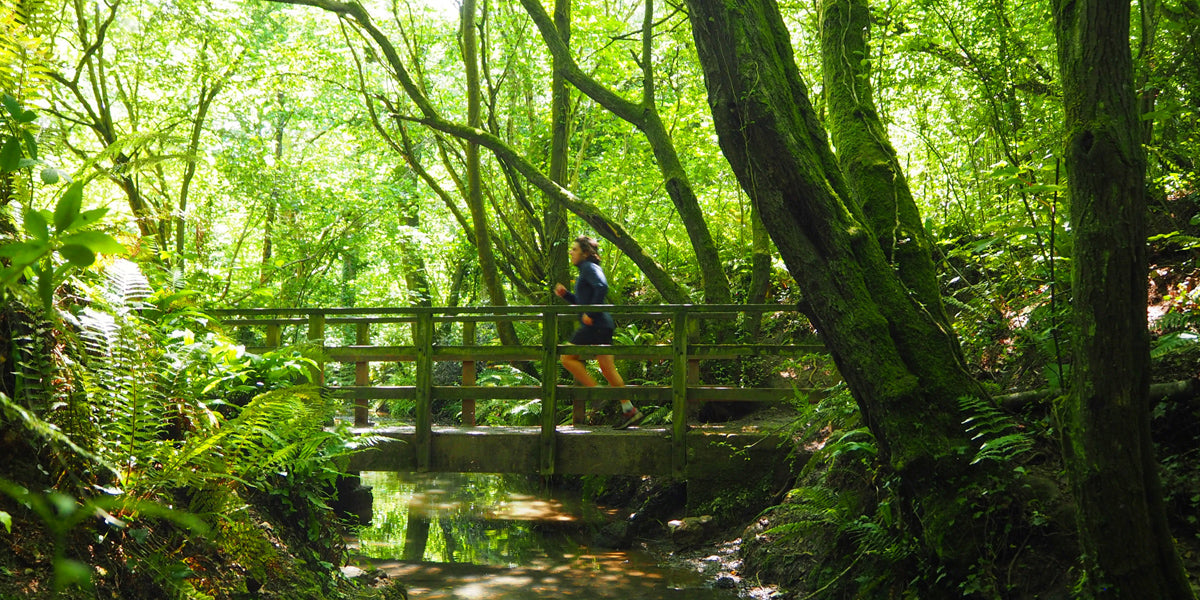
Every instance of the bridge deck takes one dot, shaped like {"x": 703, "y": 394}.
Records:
{"x": 577, "y": 450}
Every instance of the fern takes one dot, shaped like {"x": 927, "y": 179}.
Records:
{"x": 1175, "y": 320}
{"x": 998, "y": 436}
{"x": 123, "y": 380}
{"x": 126, "y": 288}
{"x": 123, "y": 385}
{"x": 282, "y": 430}
{"x": 1173, "y": 342}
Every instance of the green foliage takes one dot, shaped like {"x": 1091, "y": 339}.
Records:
{"x": 149, "y": 437}
{"x": 508, "y": 412}
{"x": 55, "y": 243}
{"x": 1000, "y": 438}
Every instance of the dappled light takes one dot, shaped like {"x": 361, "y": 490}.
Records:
{"x": 522, "y": 545}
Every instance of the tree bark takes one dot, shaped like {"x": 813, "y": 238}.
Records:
{"x": 866, "y": 156}
{"x": 483, "y": 238}
{"x": 1127, "y": 547}
{"x": 903, "y": 368}
{"x": 556, "y": 240}
{"x": 644, "y": 115}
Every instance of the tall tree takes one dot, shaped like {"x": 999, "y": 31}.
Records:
{"x": 556, "y": 235}
{"x": 903, "y": 367}
{"x": 670, "y": 289}
{"x": 1127, "y": 546}
{"x": 865, "y": 154}
{"x": 483, "y": 238}
{"x": 644, "y": 115}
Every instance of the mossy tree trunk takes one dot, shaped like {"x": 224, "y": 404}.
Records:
{"x": 1127, "y": 546}
{"x": 557, "y": 239}
{"x": 903, "y": 367}
{"x": 483, "y": 238}
{"x": 865, "y": 153}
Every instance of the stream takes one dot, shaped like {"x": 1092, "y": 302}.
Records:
{"x": 476, "y": 536}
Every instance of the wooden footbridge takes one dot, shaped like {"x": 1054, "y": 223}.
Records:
{"x": 424, "y": 336}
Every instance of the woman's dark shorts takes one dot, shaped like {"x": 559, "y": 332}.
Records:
{"x": 588, "y": 335}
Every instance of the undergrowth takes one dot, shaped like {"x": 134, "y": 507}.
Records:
{"x": 149, "y": 457}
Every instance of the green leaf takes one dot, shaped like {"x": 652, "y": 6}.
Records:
{"x": 11, "y": 105}
{"x": 30, "y": 144}
{"x": 51, "y": 176}
{"x": 10, "y": 155}
{"x": 6, "y": 519}
{"x": 97, "y": 241}
{"x": 88, "y": 217}
{"x": 36, "y": 225}
{"x": 67, "y": 209}
{"x": 45, "y": 284}
{"x": 1042, "y": 188}
{"x": 78, "y": 255}
{"x": 24, "y": 253}
{"x": 26, "y": 117}
{"x": 68, "y": 572}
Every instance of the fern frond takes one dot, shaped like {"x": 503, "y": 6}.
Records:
{"x": 48, "y": 431}
{"x": 1175, "y": 320}
{"x": 1173, "y": 342}
{"x": 124, "y": 378}
{"x": 998, "y": 435}
{"x": 126, "y": 287}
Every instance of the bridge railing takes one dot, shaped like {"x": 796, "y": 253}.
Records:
{"x": 282, "y": 327}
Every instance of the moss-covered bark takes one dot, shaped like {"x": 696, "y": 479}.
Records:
{"x": 865, "y": 154}
{"x": 904, "y": 368}
{"x": 1127, "y": 546}
{"x": 483, "y": 238}
{"x": 556, "y": 237}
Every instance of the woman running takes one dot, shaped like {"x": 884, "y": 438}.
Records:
{"x": 596, "y": 328}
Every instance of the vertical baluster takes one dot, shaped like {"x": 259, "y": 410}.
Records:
{"x": 680, "y": 377}
{"x": 316, "y": 336}
{"x": 468, "y": 374}
{"x": 362, "y": 374}
{"x": 423, "y": 339}
{"x": 549, "y": 387}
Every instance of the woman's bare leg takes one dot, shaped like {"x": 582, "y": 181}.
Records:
{"x": 609, "y": 369}
{"x": 578, "y": 370}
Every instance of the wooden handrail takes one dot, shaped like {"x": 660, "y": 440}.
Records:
{"x": 683, "y": 351}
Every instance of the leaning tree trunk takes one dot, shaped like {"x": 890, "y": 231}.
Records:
{"x": 1127, "y": 546}
{"x": 483, "y": 238}
{"x": 644, "y": 115}
{"x": 670, "y": 290}
{"x": 556, "y": 237}
{"x": 904, "y": 369}
{"x": 866, "y": 155}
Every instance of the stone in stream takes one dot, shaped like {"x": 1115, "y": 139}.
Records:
{"x": 690, "y": 531}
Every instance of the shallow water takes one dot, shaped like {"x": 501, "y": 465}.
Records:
{"x": 472, "y": 536}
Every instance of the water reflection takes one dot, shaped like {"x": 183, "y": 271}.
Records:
{"x": 466, "y": 536}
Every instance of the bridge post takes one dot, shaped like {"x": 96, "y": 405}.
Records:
{"x": 549, "y": 388}
{"x": 316, "y": 334}
{"x": 679, "y": 387}
{"x": 362, "y": 374}
{"x": 468, "y": 374}
{"x": 423, "y": 340}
